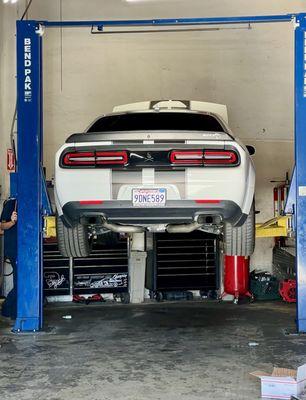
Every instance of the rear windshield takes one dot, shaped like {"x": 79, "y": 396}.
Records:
{"x": 157, "y": 121}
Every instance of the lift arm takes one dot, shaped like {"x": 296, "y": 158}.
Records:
{"x": 275, "y": 227}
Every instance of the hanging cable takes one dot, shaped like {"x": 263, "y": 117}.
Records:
{"x": 61, "y": 43}
{"x": 13, "y": 145}
{"x": 26, "y": 10}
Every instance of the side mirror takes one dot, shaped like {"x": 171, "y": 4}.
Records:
{"x": 251, "y": 149}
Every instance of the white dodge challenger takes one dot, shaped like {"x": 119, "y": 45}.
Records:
{"x": 158, "y": 166}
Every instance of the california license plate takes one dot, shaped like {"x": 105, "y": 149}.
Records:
{"x": 149, "y": 197}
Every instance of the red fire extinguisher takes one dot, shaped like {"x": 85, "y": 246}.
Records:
{"x": 236, "y": 277}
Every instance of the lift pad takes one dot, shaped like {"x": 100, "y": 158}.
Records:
{"x": 275, "y": 227}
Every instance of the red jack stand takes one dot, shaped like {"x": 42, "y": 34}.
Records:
{"x": 236, "y": 277}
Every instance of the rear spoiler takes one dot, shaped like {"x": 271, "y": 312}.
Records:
{"x": 140, "y": 136}
{"x": 190, "y": 105}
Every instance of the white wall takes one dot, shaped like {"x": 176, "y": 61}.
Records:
{"x": 249, "y": 70}
{"x": 8, "y": 15}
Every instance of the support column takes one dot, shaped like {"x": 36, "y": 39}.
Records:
{"x": 300, "y": 157}
{"x": 29, "y": 103}
{"x": 137, "y": 267}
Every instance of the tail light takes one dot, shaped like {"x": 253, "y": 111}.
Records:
{"x": 228, "y": 157}
{"x": 94, "y": 158}
{"x": 186, "y": 157}
{"x": 204, "y": 157}
{"x": 73, "y": 158}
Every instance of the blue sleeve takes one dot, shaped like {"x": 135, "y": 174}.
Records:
{"x": 7, "y": 211}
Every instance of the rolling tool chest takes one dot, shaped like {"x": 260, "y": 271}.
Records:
{"x": 183, "y": 262}
{"x": 105, "y": 271}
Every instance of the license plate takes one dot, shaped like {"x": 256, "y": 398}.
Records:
{"x": 149, "y": 197}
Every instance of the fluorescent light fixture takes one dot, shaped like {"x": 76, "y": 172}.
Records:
{"x": 9, "y": 1}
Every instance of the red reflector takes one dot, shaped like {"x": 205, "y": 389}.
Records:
{"x": 88, "y": 202}
{"x": 208, "y": 201}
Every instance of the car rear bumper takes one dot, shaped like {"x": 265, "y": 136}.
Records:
{"x": 175, "y": 212}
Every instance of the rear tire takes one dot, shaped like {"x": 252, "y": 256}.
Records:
{"x": 72, "y": 242}
{"x": 240, "y": 240}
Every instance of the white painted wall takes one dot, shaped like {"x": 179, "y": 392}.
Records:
{"x": 249, "y": 70}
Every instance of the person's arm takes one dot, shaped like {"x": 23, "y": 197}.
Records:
{"x": 8, "y": 225}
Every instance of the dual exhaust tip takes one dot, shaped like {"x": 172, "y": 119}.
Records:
{"x": 171, "y": 228}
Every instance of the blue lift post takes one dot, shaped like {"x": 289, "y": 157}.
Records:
{"x": 300, "y": 160}
{"x": 29, "y": 97}
{"x": 29, "y": 103}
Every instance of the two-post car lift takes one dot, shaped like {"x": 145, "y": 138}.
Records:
{"x": 30, "y": 145}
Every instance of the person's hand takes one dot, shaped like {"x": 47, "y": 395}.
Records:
{"x": 14, "y": 217}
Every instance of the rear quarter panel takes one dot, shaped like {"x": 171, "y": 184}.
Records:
{"x": 229, "y": 183}
{"x": 80, "y": 184}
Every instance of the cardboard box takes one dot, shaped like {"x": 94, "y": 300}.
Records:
{"x": 282, "y": 383}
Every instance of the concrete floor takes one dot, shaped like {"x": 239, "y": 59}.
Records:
{"x": 168, "y": 351}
